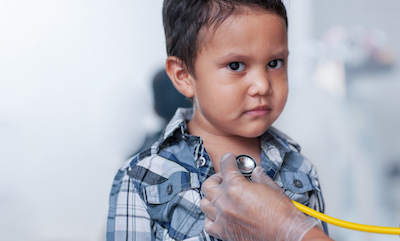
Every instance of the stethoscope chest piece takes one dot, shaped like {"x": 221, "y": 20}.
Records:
{"x": 246, "y": 165}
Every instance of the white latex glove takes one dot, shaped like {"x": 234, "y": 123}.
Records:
{"x": 237, "y": 209}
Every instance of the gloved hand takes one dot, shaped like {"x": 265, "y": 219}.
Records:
{"x": 237, "y": 209}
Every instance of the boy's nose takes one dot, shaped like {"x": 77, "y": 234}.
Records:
{"x": 260, "y": 85}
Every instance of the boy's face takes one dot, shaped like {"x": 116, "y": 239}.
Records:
{"x": 240, "y": 86}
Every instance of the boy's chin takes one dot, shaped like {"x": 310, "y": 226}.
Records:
{"x": 254, "y": 133}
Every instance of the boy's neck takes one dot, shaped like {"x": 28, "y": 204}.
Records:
{"x": 216, "y": 145}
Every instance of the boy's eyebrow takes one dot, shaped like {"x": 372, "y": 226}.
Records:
{"x": 281, "y": 53}
{"x": 278, "y": 54}
{"x": 235, "y": 56}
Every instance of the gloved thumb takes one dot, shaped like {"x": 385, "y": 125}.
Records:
{"x": 228, "y": 165}
{"x": 260, "y": 176}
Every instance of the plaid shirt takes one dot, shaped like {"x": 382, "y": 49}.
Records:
{"x": 156, "y": 193}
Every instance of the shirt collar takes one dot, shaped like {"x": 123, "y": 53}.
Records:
{"x": 177, "y": 123}
{"x": 274, "y": 143}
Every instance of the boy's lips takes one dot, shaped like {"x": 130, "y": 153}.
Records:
{"x": 258, "y": 111}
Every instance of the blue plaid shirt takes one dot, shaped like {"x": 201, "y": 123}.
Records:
{"x": 156, "y": 193}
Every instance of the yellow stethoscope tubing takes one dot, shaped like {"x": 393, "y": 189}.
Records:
{"x": 345, "y": 224}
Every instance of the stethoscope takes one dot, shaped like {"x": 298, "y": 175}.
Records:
{"x": 247, "y": 164}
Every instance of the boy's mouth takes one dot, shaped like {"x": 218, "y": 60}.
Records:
{"x": 258, "y": 111}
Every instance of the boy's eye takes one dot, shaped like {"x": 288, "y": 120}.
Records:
{"x": 277, "y": 63}
{"x": 236, "y": 66}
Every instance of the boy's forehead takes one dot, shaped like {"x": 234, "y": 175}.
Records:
{"x": 209, "y": 31}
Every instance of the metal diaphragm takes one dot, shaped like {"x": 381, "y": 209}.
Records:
{"x": 246, "y": 165}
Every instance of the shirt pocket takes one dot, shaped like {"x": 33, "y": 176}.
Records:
{"x": 298, "y": 186}
{"x": 174, "y": 206}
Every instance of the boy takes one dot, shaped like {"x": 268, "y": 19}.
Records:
{"x": 230, "y": 58}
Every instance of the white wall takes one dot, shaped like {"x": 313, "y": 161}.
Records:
{"x": 75, "y": 102}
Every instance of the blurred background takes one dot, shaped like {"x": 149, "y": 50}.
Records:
{"x": 76, "y": 101}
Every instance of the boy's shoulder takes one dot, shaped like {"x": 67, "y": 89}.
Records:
{"x": 168, "y": 154}
{"x": 293, "y": 160}
{"x": 163, "y": 161}
{"x": 159, "y": 177}
{"x": 295, "y": 173}
{"x": 149, "y": 161}
{"x": 281, "y": 139}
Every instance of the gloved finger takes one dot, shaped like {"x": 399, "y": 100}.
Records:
{"x": 208, "y": 223}
{"x": 208, "y": 208}
{"x": 213, "y": 229}
{"x": 229, "y": 168}
{"x": 259, "y": 176}
{"x": 210, "y": 187}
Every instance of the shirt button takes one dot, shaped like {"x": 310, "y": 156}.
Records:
{"x": 170, "y": 189}
{"x": 298, "y": 183}
{"x": 201, "y": 162}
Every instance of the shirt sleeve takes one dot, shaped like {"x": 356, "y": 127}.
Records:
{"x": 128, "y": 219}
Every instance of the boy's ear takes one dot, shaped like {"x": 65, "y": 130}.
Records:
{"x": 179, "y": 76}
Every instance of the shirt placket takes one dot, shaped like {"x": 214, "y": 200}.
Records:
{"x": 203, "y": 162}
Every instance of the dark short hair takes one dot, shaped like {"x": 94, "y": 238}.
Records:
{"x": 183, "y": 20}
